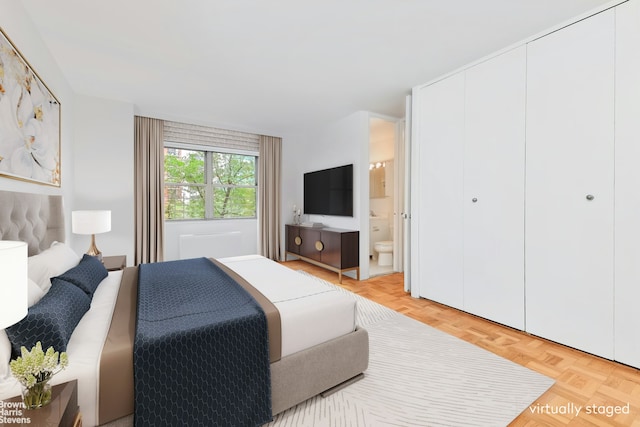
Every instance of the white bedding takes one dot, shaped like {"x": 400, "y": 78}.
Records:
{"x": 310, "y": 312}
{"x": 84, "y": 350}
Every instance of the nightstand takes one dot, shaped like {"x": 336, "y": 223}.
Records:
{"x": 62, "y": 411}
{"x": 113, "y": 263}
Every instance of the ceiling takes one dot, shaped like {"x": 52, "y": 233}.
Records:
{"x": 279, "y": 65}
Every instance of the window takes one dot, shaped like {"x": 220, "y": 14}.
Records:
{"x": 207, "y": 184}
{"x": 210, "y": 173}
{"x": 234, "y": 185}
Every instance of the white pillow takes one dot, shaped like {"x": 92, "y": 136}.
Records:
{"x": 50, "y": 263}
{"x": 35, "y": 293}
{"x": 5, "y": 355}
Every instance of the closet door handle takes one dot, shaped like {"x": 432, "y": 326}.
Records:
{"x": 590, "y": 197}
{"x": 474, "y": 200}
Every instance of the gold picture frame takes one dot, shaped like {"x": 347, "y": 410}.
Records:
{"x": 29, "y": 121}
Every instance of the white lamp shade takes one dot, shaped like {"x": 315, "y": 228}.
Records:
{"x": 90, "y": 222}
{"x": 13, "y": 282}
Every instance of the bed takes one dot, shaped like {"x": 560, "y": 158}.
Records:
{"x": 319, "y": 349}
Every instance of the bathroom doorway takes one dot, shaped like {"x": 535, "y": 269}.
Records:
{"x": 383, "y": 238}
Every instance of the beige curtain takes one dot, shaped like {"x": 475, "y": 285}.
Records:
{"x": 149, "y": 183}
{"x": 269, "y": 165}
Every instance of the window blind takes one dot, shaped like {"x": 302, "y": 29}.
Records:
{"x": 184, "y": 133}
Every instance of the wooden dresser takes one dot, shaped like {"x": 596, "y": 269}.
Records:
{"x": 332, "y": 248}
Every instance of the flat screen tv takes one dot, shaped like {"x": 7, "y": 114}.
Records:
{"x": 329, "y": 191}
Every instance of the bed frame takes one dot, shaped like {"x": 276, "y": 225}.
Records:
{"x": 39, "y": 220}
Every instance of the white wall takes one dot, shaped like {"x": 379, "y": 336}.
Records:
{"x": 342, "y": 142}
{"x": 103, "y": 161}
{"x": 18, "y": 27}
{"x": 247, "y": 245}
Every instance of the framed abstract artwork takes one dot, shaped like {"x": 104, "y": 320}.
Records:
{"x": 29, "y": 121}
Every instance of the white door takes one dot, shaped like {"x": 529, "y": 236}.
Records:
{"x": 398, "y": 199}
{"x": 404, "y": 202}
{"x": 569, "y": 185}
{"x": 399, "y": 167}
{"x": 494, "y": 188}
{"x": 627, "y": 200}
{"x": 438, "y": 143}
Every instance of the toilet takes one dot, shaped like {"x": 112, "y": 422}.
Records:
{"x": 385, "y": 252}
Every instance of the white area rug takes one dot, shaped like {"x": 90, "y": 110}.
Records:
{"x": 420, "y": 376}
{"x": 417, "y": 376}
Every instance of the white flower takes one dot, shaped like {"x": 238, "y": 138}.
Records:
{"x": 36, "y": 365}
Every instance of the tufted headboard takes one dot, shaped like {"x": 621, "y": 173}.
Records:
{"x": 37, "y": 219}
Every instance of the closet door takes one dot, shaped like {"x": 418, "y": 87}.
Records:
{"x": 439, "y": 142}
{"x": 627, "y": 209}
{"x": 494, "y": 189}
{"x": 569, "y": 185}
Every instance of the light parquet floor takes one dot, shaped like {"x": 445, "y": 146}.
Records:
{"x": 597, "y": 386}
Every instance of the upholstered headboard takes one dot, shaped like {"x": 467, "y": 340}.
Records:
{"x": 37, "y": 219}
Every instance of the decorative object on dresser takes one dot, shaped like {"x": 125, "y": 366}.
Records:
{"x": 115, "y": 262}
{"x": 296, "y": 215}
{"x": 29, "y": 123}
{"x": 311, "y": 224}
{"x": 91, "y": 222}
{"x": 332, "y": 248}
{"x": 13, "y": 274}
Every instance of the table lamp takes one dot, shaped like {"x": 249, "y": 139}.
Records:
{"x": 91, "y": 222}
{"x": 13, "y": 276}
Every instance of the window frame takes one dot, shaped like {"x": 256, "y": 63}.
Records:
{"x": 208, "y": 185}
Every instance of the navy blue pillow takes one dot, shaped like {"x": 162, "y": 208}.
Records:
{"x": 51, "y": 320}
{"x": 87, "y": 275}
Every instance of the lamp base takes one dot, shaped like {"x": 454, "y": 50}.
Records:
{"x": 93, "y": 250}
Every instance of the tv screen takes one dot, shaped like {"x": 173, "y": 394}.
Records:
{"x": 329, "y": 191}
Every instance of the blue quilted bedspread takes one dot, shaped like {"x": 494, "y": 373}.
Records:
{"x": 201, "y": 353}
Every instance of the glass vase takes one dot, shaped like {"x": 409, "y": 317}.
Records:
{"x": 37, "y": 395}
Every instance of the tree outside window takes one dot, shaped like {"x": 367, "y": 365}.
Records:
{"x": 209, "y": 185}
